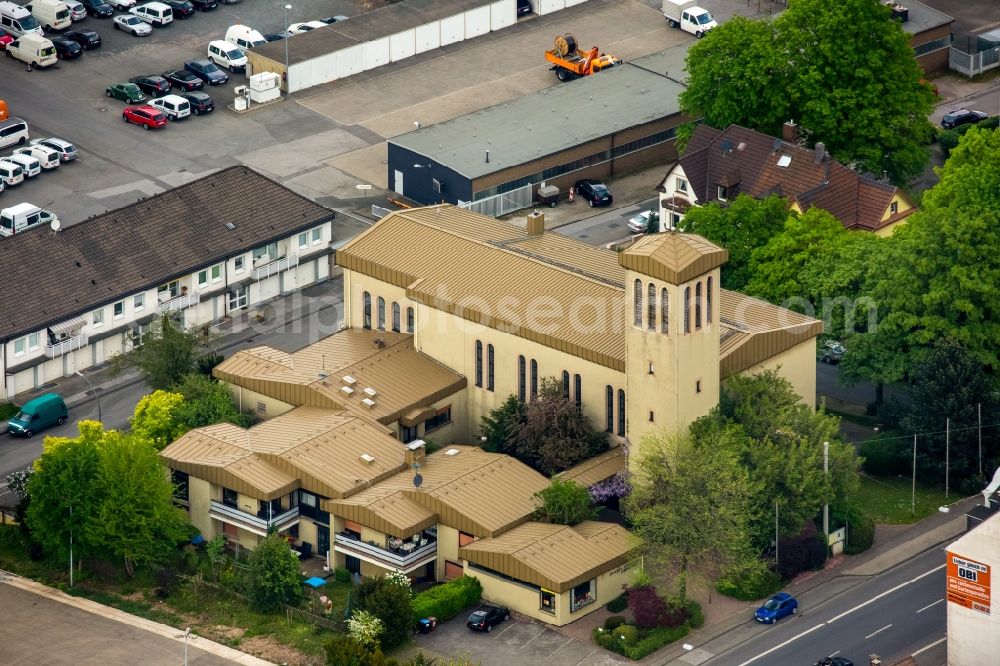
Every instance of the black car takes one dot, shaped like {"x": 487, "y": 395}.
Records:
{"x": 834, "y": 661}
{"x": 523, "y": 7}
{"x": 66, "y": 49}
{"x": 98, "y": 8}
{"x": 206, "y": 70}
{"x": 961, "y": 117}
{"x": 330, "y": 20}
{"x": 183, "y": 79}
{"x": 277, "y": 36}
{"x": 204, "y": 5}
{"x": 200, "y": 102}
{"x": 486, "y": 617}
{"x": 88, "y": 39}
{"x": 595, "y": 192}
{"x": 152, "y": 85}
{"x": 180, "y": 8}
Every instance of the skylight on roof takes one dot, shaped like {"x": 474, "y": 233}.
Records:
{"x": 451, "y": 452}
{"x": 784, "y": 160}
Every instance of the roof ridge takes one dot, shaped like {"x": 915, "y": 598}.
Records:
{"x": 552, "y": 263}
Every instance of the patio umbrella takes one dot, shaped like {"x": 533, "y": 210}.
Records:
{"x": 314, "y": 582}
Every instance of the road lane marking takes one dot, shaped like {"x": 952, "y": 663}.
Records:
{"x": 929, "y": 605}
{"x": 928, "y": 647}
{"x": 781, "y": 645}
{"x": 831, "y": 656}
{"x": 886, "y": 593}
{"x": 879, "y": 631}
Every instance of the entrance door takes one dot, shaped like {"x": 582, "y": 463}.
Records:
{"x": 353, "y": 564}
{"x": 323, "y": 540}
{"x": 397, "y": 184}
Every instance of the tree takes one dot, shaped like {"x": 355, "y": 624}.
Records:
{"x": 342, "y": 650}
{"x": 844, "y": 70}
{"x": 390, "y": 600}
{"x": 689, "y": 505}
{"x": 166, "y": 354}
{"x": 274, "y": 575}
{"x": 138, "y": 520}
{"x": 565, "y": 503}
{"x": 745, "y": 224}
{"x": 17, "y": 483}
{"x": 502, "y": 425}
{"x": 206, "y": 402}
{"x": 156, "y": 418}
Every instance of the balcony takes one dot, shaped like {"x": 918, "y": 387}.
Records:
{"x": 180, "y": 302}
{"x": 252, "y": 522}
{"x": 264, "y": 271}
{"x": 66, "y": 345}
{"x": 403, "y": 559}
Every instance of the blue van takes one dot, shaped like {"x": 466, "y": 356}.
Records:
{"x": 42, "y": 412}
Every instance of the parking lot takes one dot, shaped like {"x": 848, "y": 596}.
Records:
{"x": 515, "y": 642}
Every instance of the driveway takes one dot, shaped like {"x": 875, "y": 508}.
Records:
{"x": 515, "y": 642}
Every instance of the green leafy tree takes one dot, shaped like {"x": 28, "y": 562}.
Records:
{"x": 565, "y": 503}
{"x": 501, "y": 427}
{"x": 138, "y": 520}
{"x": 391, "y": 603}
{"x": 365, "y": 628}
{"x": 166, "y": 354}
{"x": 343, "y": 650}
{"x": 844, "y": 70}
{"x": 156, "y": 418}
{"x": 745, "y": 224}
{"x": 206, "y": 402}
{"x": 274, "y": 575}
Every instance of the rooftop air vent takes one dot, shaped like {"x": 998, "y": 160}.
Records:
{"x": 368, "y": 458}
{"x": 370, "y": 392}
{"x": 346, "y": 389}
{"x": 368, "y": 402}
{"x": 349, "y": 380}
{"x": 452, "y": 452}
{"x": 416, "y": 444}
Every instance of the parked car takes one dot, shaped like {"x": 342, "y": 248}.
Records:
{"x": 66, "y": 150}
{"x": 486, "y": 617}
{"x": 594, "y": 191}
{"x": 330, "y": 20}
{"x": 66, "y": 49}
{"x": 77, "y": 12}
{"x": 37, "y": 414}
{"x": 152, "y": 84}
{"x": 126, "y": 92}
{"x": 147, "y": 116}
{"x": 200, "y": 102}
{"x": 11, "y": 173}
{"x": 523, "y": 7}
{"x": 47, "y": 158}
{"x": 14, "y": 220}
{"x": 777, "y": 607}
{"x": 204, "y": 5}
{"x": 834, "y": 661}
{"x": 206, "y": 70}
{"x": 34, "y": 50}
{"x": 640, "y": 223}
{"x": 98, "y": 8}
{"x": 88, "y": 39}
{"x": 5, "y": 39}
{"x": 122, "y": 5}
{"x": 132, "y": 24}
{"x": 305, "y": 26}
{"x": 174, "y": 107}
{"x": 30, "y": 167}
{"x": 277, "y": 36}
{"x": 958, "y": 117}
{"x": 181, "y": 8}
{"x": 183, "y": 79}
{"x": 227, "y": 55}
{"x": 832, "y": 352}
{"x": 156, "y": 14}
{"x": 244, "y": 36}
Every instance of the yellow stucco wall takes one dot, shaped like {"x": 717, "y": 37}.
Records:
{"x": 447, "y": 548}
{"x": 797, "y": 365}
{"x": 247, "y": 401}
{"x": 199, "y": 496}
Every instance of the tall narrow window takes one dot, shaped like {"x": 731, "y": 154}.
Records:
{"x": 708, "y": 300}
{"x": 577, "y": 390}
{"x": 610, "y": 408}
{"x": 479, "y": 363}
{"x": 687, "y": 309}
{"x": 637, "y": 306}
{"x": 520, "y": 378}
{"x": 534, "y": 379}
{"x": 697, "y": 305}
{"x": 489, "y": 367}
{"x": 565, "y": 379}
{"x": 410, "y": 323}
{"x": 381, "y": 313}
{"x": 651, "y": 315}
{"x": 621, "y": 412}
{"x": 367, "y": 309}
{"x": 664, "y": 311}
{"x": 395, "y": 317}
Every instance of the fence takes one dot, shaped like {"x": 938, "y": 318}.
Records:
{"x": 379, "y": 212}
{"x": 972, "y": 64}
{"x": 501, "y": 204}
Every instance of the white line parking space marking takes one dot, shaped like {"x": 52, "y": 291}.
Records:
{"x": 877, "y": 631}
{"x": 929, "y": 605}
{"x": 928, "y": 647}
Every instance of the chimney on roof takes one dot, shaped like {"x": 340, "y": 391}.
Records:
{"x": 536, "y": 223}
{"x": 820, "y": 152}
{"x": 790, "y": 132}
{"x": 415, "y": 453}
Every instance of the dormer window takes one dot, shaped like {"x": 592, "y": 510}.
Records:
{"x": 893, "y": 207}
{"x": 682, "y": 185}
{"x": 722, "y": 192}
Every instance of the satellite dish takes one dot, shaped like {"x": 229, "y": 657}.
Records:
{"x": 54, "y": 225}
{"x": 417, "y": 480}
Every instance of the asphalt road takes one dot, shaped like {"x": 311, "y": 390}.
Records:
{"x": 606, "y": 226}
{"x": 987, "y": 101}
{"x": 894, "y": 615}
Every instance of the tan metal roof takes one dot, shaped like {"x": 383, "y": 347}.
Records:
{"x": 599, "y": 468}
{"x": 474, "y": 491}
{"x": 755, "y": 330}
{"x": 555, "y": 557}
{"x": 402, "y": 378}
{"x": 673, "y": 256}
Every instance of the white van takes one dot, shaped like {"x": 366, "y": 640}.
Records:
{"x": 174, "y": 107}
{"x": 154, "y": 13}
{"x": 52, "y": 14}
{"x": 18, "y": 21}
{"x": 23, "y": 216}
{"x": 13, "y": 131}
{"x": 244, "y": 37}
{"x": 224, "y": 54}
{"x": 11, "y": 173}
{"x": 29, "y": 165}
{"x": 47, "y": 157}
{"x": 34, "y": 50}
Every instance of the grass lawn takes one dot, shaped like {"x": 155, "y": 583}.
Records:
{"x": 888, "y": 499}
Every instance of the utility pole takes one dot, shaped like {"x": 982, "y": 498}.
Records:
{"x": 913, "y": 490}
{"x": 979, "y": 413}
{"x": 826, "y": 507}
{"x": 71, "y": 545}
{"x": 775, "y": 534}
{"x": 947, "y": 454}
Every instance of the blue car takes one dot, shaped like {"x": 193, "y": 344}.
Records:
{"x": 776, "y": 607}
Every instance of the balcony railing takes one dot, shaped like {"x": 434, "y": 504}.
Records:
{"x": 399, "y": 558}
{"x": 180, "y": 302}
{"x": 265, "y": 271}
{"x": 250, "y": 521}
{"x": 66, "y": 345}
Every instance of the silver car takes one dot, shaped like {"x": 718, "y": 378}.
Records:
{"x": 77, "y": 12}
{"x": 66, "y": 150}
{"x": 132, "y": 24}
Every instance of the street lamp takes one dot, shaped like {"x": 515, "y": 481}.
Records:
{"x": 97, "y": 397}
{"x": 285, "y": 29}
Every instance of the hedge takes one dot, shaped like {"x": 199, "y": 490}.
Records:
{"x": 860, "y": 528}
{"x": 749, "y": 581}
{"x": 8, "y": 410}
{"x": 637, "y": 642}
{"x": 447, "y": 600}
{"x": 618, "y": 604}
{"x": 614, "y": 621}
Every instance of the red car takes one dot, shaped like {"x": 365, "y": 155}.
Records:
{"x": 5, "y": 39}
{"x": 144, "y": 115}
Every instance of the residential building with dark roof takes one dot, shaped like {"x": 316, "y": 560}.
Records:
{"x": 719, "y": 165}
{"x": 206, "y": 250}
